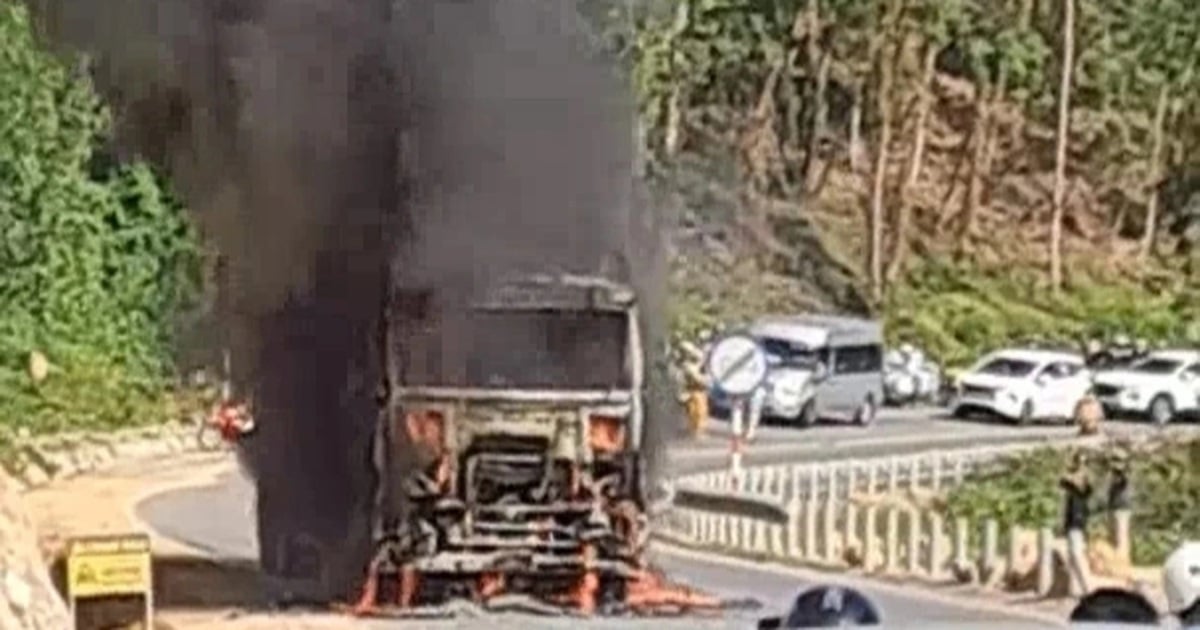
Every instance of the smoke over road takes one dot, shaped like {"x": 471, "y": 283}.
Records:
{"x": 329, "y": 147}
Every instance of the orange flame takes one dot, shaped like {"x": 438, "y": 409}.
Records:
{"x": 606, "y": 434}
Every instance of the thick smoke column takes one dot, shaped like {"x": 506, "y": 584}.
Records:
{"x": 331, "y": 147}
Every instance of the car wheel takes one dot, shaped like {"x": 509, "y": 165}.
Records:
{"x": 1026, "y": 415}
{"x": 808, "y": 414}
{"x": 1161, "y": 409}
{"x": 865, "y": 414}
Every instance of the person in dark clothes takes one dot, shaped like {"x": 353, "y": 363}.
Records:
{"x": 1077, "y": 490}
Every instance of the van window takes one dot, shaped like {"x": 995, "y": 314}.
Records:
{"x": 857, "y": 359}
{"x": 792, "y": 354}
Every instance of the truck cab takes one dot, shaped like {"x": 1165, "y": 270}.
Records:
{"x": 508, "y": 445}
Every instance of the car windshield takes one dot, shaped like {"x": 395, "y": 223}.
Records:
{"x": 789, "y": 353}
{"x": 1157, "y": 365}
{"x": 1007, "y": 366}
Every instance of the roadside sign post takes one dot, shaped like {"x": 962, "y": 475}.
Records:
{"x": 108, "y": 567}
{"x": 737, "y": 365}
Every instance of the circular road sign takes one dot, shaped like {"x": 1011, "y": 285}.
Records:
{"x": 737, "y": 365}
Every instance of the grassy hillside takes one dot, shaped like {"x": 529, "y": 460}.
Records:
{"x": 904, "y": 158}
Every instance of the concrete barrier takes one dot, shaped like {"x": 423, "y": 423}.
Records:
{"x": 38, "y": 461}
{"x": 867, "y": 515}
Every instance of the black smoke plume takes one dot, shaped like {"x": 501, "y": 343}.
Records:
{"x": 334, "y": 148}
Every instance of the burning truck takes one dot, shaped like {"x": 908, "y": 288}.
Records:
{"x": 508, "y": 450}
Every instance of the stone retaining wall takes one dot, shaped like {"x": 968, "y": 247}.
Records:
{"x": 28, "y": 600}
{"x": 42, "y": 460}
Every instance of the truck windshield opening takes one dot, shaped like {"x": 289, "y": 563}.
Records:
{"x": 528, "y": 349}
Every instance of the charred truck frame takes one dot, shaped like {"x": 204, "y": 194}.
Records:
{"x": 508, "y": 447}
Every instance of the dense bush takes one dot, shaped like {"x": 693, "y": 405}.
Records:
{"x": 1024, "y": 491}
{"x": 96, "y": 259}
{"x": 958, "y": 313}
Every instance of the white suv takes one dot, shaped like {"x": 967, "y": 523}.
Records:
{"x": 1161, "y": 386}
{"x": 1024, "y": 385}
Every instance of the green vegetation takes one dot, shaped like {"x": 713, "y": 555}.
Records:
{"x": 1024, "y": 491}
{"x": 958, "y": 312}
{"x": 97, "y": 257}
{"x": 931, "y": 147}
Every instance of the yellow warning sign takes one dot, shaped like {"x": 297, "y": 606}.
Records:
{"x": 101, "y": 566}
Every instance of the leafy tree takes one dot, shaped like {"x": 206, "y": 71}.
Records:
{"x": 95, "y": 265}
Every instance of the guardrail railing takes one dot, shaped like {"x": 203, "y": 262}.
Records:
{"x": 861, "y": 514}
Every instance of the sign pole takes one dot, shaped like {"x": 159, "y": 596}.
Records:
{"x": 737, "y": 420}
{"x": 738, "y": 367}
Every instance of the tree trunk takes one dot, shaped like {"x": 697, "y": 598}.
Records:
{"x": 1060, "y": 160}
{"x": 886, "y": 68}
{"x": 904, "y": 215}
{"x": 979, "y": 145}
{"x": 818, "y": 71}
{"x": 812, "y": 174}
{"x": 856, "y": 148}
{"x": 1160, "y": 116}
{"x": 673, "y": 133}
{"x": 1024, "y": 21}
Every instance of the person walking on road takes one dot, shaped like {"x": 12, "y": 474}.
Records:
{"x": 1078, "y": 490}
{"x": 754, "y": 409}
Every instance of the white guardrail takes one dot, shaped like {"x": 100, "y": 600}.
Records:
{"x": 861, "y": 514}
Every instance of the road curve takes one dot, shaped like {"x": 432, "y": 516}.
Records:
{"x": 219, "y": 521}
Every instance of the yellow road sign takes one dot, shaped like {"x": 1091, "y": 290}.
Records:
{"x": 101, "y": 566}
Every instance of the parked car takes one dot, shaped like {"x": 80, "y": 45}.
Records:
{"x": 822, "y": 367}
{"x": 909, "y": 377}
{"x": 1023, "y": 385}
{"x": 1161, "y": 386}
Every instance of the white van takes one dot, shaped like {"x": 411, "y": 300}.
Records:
{"x": 822, "y": 367}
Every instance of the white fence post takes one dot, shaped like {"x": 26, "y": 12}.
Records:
{"x": 936, "y": 473}
{"x": 892, "y": 540}
{"x": 829, "y": 530}
{"x": 937, "y": 547}
{"x": 1045, "y": 566}
{"x": 893, "y": 475}
{"x": 991, "y": 541}
{"x": 870, "y": 539}
{"x": 913, "y": 564}
{"x": 962, "y": 543}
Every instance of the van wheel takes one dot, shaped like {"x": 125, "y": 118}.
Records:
{"x": 865, "y": 414}
{"x": 1161, "y": 409}
{"x": 808, "y": 414}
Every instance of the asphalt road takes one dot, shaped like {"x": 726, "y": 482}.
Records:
{"x": 894, "y": 432}
{"x": 219, "y": 519}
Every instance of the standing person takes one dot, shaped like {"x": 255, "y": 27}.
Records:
{"x": 1078, "y": 490}
{"x": 1181, "y": 581}
{"x": 1120, "y": 503}
{"x": 695, "y": 393}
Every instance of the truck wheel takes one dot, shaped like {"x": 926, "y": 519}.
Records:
{"x": 1026, "y": 415}
{"x": 1162, "y": 410}
{"x": 808, "y": 414}
{"x": 865, "y": 414}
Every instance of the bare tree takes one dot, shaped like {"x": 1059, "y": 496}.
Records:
{"x": 904, "y": 215}
{"x": 1060, "y": 161}
{"x": 1160, "y": 117}
{"x": 885, "y": 59}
